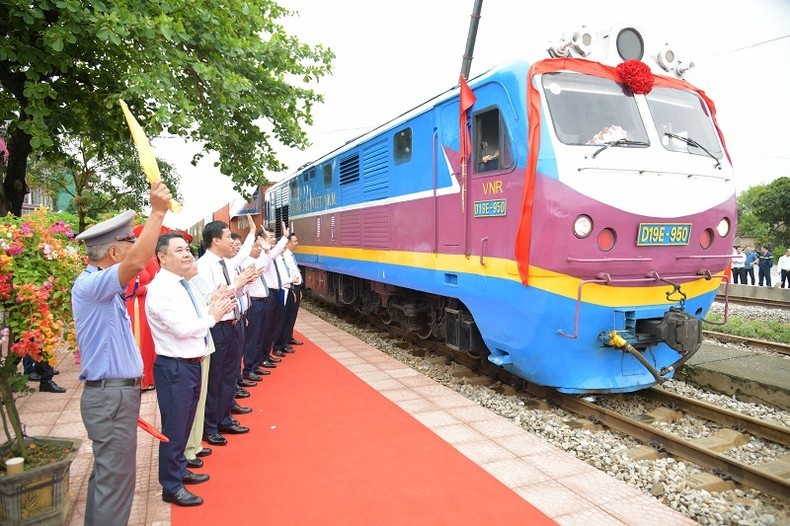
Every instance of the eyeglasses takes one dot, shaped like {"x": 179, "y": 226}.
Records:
{"x": 130, "y": 237}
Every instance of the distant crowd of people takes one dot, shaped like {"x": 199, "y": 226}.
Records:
{"x": 201, "y": 331}
{"x": 745, "y": 260}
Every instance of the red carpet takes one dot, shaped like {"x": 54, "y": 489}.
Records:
{"x": 325, "y": 449}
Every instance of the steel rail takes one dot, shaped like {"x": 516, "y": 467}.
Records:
{"x": 748, "y": 475}
{"x": 731, "y": 338}
{"x": 768, "y": 430}
{"x": 744, "y": 300}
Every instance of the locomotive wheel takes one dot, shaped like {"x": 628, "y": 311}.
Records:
{"x": 385, "y": 316}
{"x": 426, "y": 335}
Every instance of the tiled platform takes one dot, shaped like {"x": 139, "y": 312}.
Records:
{"x": 563, "y": 487}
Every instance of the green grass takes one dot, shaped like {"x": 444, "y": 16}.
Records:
{"x": 769, "y": 330}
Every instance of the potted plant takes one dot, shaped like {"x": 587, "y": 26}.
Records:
{"x": 38, "y": 263}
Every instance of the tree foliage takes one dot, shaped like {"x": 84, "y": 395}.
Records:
{"x": 225, "y": 74}
{"x": 95, "y": 182}
{"x": 764, "y": 212}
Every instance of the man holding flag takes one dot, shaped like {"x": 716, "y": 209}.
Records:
{"x": 111, "y": 363}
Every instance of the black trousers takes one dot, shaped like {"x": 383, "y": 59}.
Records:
{"x": 274, "y": 308}
{"x": 297, "y": 289}
{"x": 283, "y": 324}
{"x": 44, "y": 370}
{"x": 253, "y": 339}
{"x": 177, "y": 393}
{"x": 223, "y": 372}
{"x": 765, "y": 275}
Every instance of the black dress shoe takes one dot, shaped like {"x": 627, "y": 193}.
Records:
{"x": 262, "y": 372}
{"x": 288, "y": 349}
{"x": 215, "y": 439}
{"x": 194, "y": 463}
{"x": 50, "y": 387}
{"x": 272, "y": 359}
{"x": 34, "y": 377}
{"x": 239, "y": 410}
{"x": 234, "y": 430}
{"x": 194, "y": 478}
{"x": 294, "y": 342}
{"x": 241, "y": 393}
{"x": 252, "y": 377}
{"x": 245, "y": 383}
{"x": 279, "y": 353}
{"x": 269, "y": 365}
{"x": 183, "y": 498}
{"x": 206, "y": 451}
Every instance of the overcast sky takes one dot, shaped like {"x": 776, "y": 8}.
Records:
{"x": 394, "y": 55}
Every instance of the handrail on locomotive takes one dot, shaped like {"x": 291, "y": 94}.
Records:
{"x": 686, "y": 341}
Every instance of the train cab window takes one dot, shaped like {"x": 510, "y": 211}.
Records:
{"x": 328, "y": 175}
{"x": 591, "y": 110}
{"x": 401, "y": 146}
{"x": 492, "y": 151}
{"x": 683, "y": 122}
{"x": 294, "y": 188}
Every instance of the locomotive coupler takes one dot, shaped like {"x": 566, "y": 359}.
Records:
{"x": 680, "y": 331}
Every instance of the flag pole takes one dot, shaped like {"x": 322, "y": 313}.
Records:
{"x": 467, "y": 98}
{"x": 466, "y": 63}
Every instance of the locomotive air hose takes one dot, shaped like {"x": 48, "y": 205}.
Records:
{"x": 621, "y": 343}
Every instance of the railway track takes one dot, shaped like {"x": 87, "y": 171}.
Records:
{"x": 756, "y": 302}
{"x": 782, "y": 348}
{"x": 725, "y": 467}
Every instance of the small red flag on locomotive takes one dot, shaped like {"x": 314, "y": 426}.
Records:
{"x": 467, "y": 100}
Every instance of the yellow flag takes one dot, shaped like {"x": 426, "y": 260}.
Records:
{"x": 147, "y": 159}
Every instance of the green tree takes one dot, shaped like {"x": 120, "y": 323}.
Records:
{"x": 764, "y": 212}
{"x": 223, "y": 74}
{"x": 96, "y": 183}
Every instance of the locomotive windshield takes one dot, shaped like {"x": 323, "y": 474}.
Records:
{"x": 684, "y": 115}
{"x": 592, "y": 110}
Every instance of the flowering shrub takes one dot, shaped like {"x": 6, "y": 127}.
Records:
{"x": 38, "y": 264}
{"x": 39, "y": 261}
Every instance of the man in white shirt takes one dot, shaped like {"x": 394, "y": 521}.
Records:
{"x": 271, "y": 251}
{"x": 214, "y": 271}
{"x": 180, "y": 331}
{"x": 258, "y": 294}
{"x": 287, "y": 300}
{"x": 784, "y": 269}
{"x": 739, "y": 266}
{"x": 296, "y": 288}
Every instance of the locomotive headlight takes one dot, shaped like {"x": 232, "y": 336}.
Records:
{"x": 724, "y": 227}
{"x": 582, "y": 226}
{"x": 630, "y": 45}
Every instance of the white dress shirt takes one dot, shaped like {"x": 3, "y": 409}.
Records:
{"x": 201, "y": 301}
{"x": 269, "y": 272}
{"x": 210, "y": 277}
{"x": 177, "y": 329}
{"x": 285, "y": 274}
{"x": 739, "y": 260}
{"x": 293, "y": 268}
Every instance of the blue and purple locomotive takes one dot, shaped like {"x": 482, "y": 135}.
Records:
{"x": 577, "y": 241}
